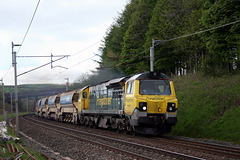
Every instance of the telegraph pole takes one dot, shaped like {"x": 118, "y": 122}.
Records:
{"x": 152, "y": 54}
{"x": 14, "y": 62}
{"x": 27, "y": 102}
{"x": 11, "y": 104}
{"x": 67, "y": 84}
{"x": 4, "y": 111}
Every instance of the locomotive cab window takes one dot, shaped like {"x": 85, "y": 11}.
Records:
{"x": 130, "y": 88}
{"x": 154, "y": 87}
{"x": 84, "y": 95}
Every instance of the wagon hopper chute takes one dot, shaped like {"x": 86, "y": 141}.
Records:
{"x": 68, "y": 106}
{"x": 43, "y": 107}
{"x": 53, "y": 107}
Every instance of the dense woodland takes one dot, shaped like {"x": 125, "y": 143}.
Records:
{"x": 199, "y": 35}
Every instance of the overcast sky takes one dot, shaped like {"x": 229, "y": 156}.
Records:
{"x": 60, "y": 27}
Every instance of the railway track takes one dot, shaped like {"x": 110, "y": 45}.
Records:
{"x": 217, "y": 149}
{"x": 130, "y": 149}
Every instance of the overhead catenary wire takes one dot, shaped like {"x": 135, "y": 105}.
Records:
{"x": 184, "y": 36}
{"x": 81, "y": 51}
{"x": 24, "y": 35}
{"x": 68, "y": 68}
{"x": 85, "y": 48}
{"x": 199, "y": 32}
{"x": 74, "y": 64}
{"x": 6, "y": 72}
{"x": 29, "y": 26}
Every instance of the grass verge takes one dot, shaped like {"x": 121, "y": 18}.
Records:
{"x": 4, "y": 153}
{"x": 208, "y": 107}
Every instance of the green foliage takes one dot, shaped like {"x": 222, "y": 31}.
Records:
{"x": 8, "y": 155}
{"x": 214, "y": 52}
{"x": 173, "y": 19}
{"x": 208, "y": 107}
{"x": 113, "y": 42}
{"x": 11, "y": 155}
{"x": 135, "y": 36}
{"x": 222, "y": 43}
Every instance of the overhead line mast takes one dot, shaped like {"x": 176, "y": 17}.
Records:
{"x": 14, "y": 63}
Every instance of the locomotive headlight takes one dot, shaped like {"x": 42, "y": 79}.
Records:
{"x": 143, "y": 106}
{"x": 171, "y": 107}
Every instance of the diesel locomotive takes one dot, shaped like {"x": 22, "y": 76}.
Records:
{"x": 144, "y": 103}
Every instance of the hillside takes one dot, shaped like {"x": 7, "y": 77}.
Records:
{"x": 208, "y": 107}
{"x": 30, "y": 91}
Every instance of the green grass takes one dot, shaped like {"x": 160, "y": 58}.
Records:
{"x": 11, "y": 155}
{"x": 24, "y": 156}
{"x": 208, "y": 107}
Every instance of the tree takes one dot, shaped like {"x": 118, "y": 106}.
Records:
{"x": 135, "y": 36}
{"x": 172, "y": 19}
{"x": 113, "y": 41}
{"x": 222, "y": 43}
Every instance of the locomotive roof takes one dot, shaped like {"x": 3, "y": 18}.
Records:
{"x": 145, "y": 75}
{"x": 112, "y": 81}
{"x": 151, "y": 75}
{"x": 116, "y": 83}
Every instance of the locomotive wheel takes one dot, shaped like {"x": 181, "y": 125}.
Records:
{"x": 118, "y": 130}
{"x": 125, "y": 132}
{"x": 61, "y": 119}
{"x": 134, "y": 133}
{"x": 85, "y": 123}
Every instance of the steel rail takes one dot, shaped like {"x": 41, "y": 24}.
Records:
{"x": 226, "y": 151}
{"x": 152, "y": 149}
{"x": 90, "y": 141}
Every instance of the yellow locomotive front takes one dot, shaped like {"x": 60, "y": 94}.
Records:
{"x": 151, "y": 103}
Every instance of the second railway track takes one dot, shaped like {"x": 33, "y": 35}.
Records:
{"x": 145, "y": 148}
{"x": 223, "y": 150}
{"x": 131, "y": 149}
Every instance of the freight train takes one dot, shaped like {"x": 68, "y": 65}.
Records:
{"x": 144, "y": 103}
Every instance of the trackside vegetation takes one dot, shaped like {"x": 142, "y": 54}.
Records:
{"x": 209, "y": 108}
{"x": 3, "y": 144}
{"x": 200, "y": 37}
{"x": 212, "y": 45}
